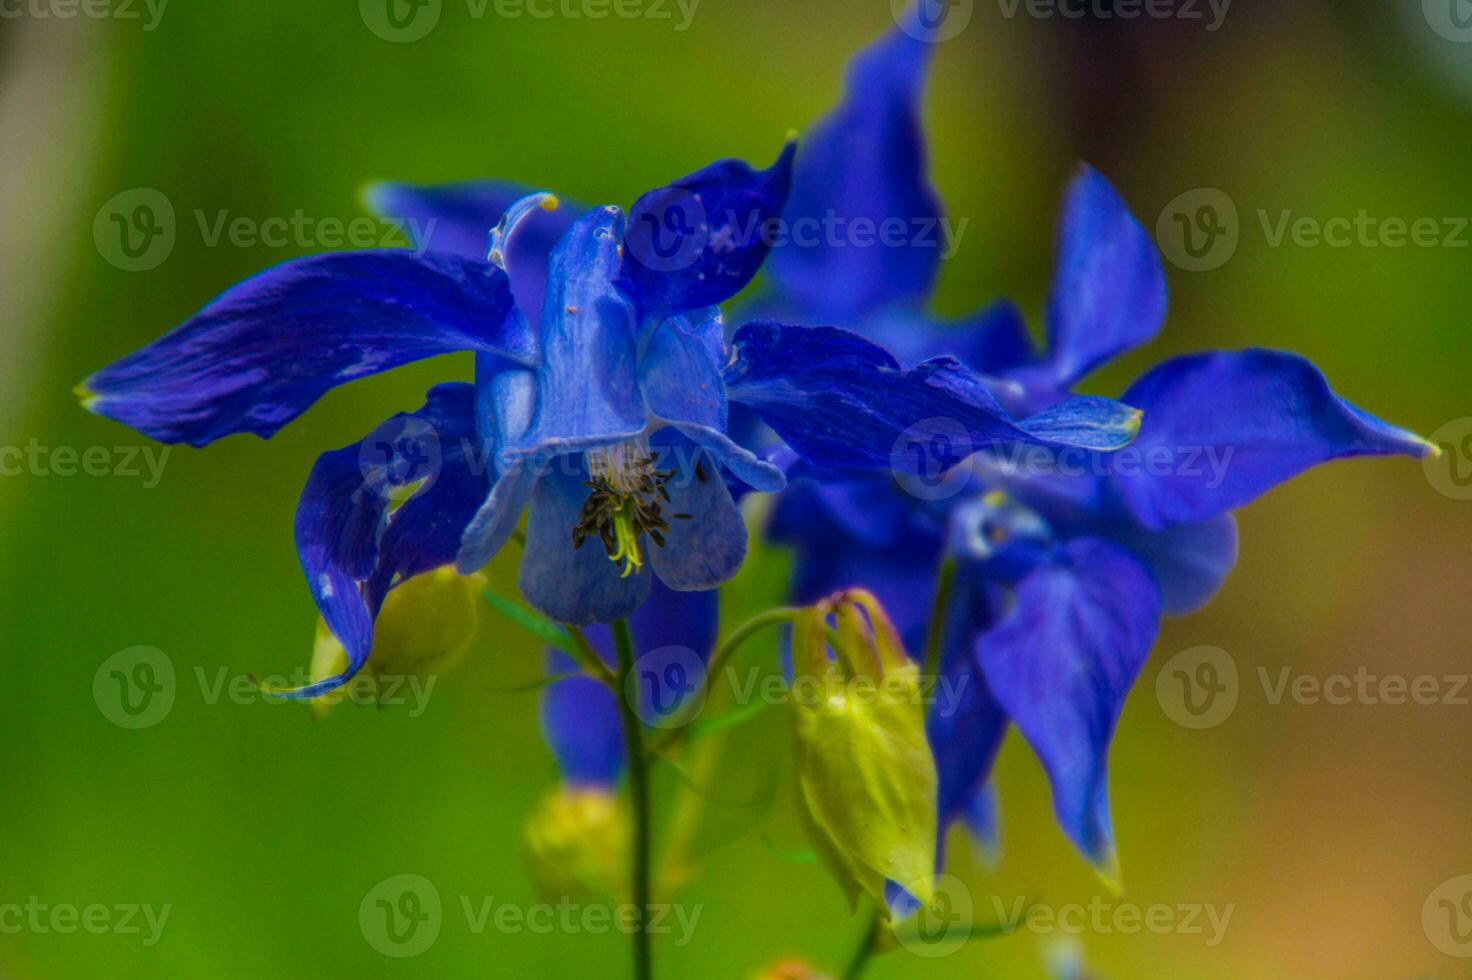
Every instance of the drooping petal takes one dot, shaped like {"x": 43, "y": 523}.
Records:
{"x": 505, "y": 402}
{"x": 1188, "y": 561}
{"x": 993, "y": 341}
{"x": 680, "y": 377}
{"x": 864, "y": 163}
{"x": 1109, "y": 289}
{"x": 965, "y": 724}
{"x": 1232, "y": 426}
{"x": 706, "y": 546}
{"x": 580, "y": 720}
{"x": 1061, "y": 664}
{"x": 573, "y": 585}
{"x": 352, "y": 550}
{"x": 266, "y": 349}
{"x": 841, "y": 401}
{"x": 698, "y": 241}
{"x": 579, "y": 715}
{"x": 587, "y": 388}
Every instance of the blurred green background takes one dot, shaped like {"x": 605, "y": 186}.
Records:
{"x": 1325, "y": 828}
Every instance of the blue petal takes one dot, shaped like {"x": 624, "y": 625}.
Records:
{"x": 1061, "y": 664}
{"x": 982, "y": 822}
{"x": 993, "y": 341}
{"x": 449, "y": 217}
{"x": 1109, "y": 291}
{"x": 965, "y": 724}
{"x": 580, "y": 721}
{"x": 865, "y": 161}
{"x": 505, "y": 405}
{"x": 707, "y": 546}
{"x": 579, "y": 715}
{"x": 352, "y": 553}
{"x": 840, "y": 401}
{"x": 587, "y": 390}
{"x": 1188, "y": 561}
{"x": 265, "y": 350}
{"x": 522, "y": 243}
{"x": 680, "y": 376}
{"x": 574, "y": 585}
{"x": 1235, "y": 425}
{"x": 699, "y": 241}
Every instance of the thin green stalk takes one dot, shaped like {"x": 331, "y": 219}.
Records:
{"x": 639, "y": 790}
{"x": 718, "y": 660}
{"x": 945, "y": 584}
{"x": 587, "y": 658}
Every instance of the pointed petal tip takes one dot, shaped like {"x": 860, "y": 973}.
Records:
{"x": 1106, "y": 867}
{"x": 87, "y": 397}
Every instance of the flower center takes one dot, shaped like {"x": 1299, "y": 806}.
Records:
{"x": 626, "y": 498}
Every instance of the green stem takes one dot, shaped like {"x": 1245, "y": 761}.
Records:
{"x": 718, "y": 660}
{"x": 587, "y": 658}
{"x": 945, "y": 584}
{"x": 860, "y": 960}
{"x": 639, "y": 791}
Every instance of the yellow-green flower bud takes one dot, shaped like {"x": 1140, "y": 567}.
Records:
{"x": 866, "y": 777}
{"x": 427, "y": 625}
{"x": 577, "y": 844}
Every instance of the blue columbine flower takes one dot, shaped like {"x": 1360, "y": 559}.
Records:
{"x": 1065, "y": 565}
{"x": 602, "y": 386}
